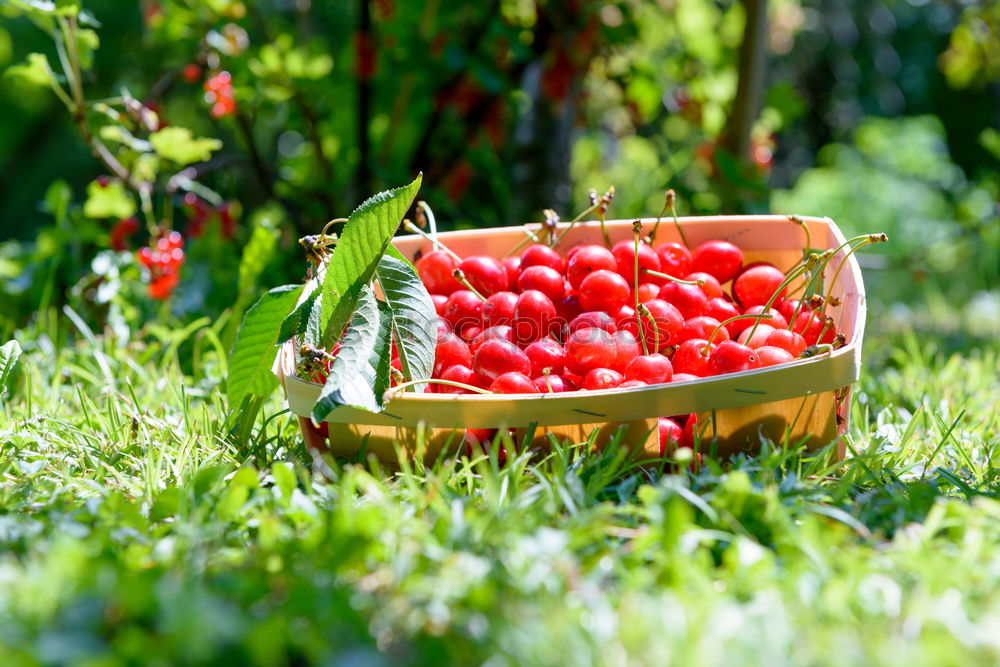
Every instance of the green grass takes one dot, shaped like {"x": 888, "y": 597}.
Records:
{"x": 139, "y": 524}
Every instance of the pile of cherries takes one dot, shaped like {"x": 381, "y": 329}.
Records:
{"x": 163, "y": 259}
{"x": 542, "y": 322}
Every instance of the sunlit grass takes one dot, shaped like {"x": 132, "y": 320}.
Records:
{"x": 140, "y": 522}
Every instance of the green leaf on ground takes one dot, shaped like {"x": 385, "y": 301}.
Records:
{"x": 179, "y": 145}
{"x": 254, "y": 350}
{"x": 360, "y": 374}
{"x": 413, "y": 316}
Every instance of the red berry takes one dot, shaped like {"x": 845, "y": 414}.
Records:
{"x": 191, "y": 73}
{"x": 648, "y": 292}
{"x": 590, "y": 348}
{"x": 555, "y": 384}
{"x": 512, "y": 266}
{"x": 534, "y": 317}
{"x": 463, "y": 309}
{"x": 675, "y": 259}
{"x": 569, "y": 307}
{"x": 721, "y": 259}
{"x": 542, "y": 255}
{"x": 625, "y": 254}
{"x": 545, "y": 279}
{"x": 757, "y": 284}
{"x": 667, "y": 319}
{"x": 701, "y": 327}
{"x": 689, "y": 299}
{"x": 684, "y": 377}
{"x": 439, "y": 301}
{"x": 586, "y": 260}
{"x": 436, "y": 270}
{"x": 670, "y": 434}
{"x": 710, "y": 286}
{"x": 593, "y": 318}
{"x": 650, "y": 369}
{"x": 484, "y": 273}
{"x": 760, "y": 336}
{"x": 777, "y": 320}
{"x": 790, "y": 341}
{"x": 722, "y": 310}
{"x": 496, "y": 357}
{"x": 545, "y": 353}
{"x": 604, "y": 290}
{"x": 499, "y": 308}
{"x": 458, "y": 373}
{"x": 626, "y": 348}
{"x": 731, "y": 357}
{"x": 602, "y": 378}
{"x": 513, "y": 383}
{"x": 632, "y": 384}
{"x": 498, "y": 332}
{"x": 770, "y": 355}
{"x": 450, "y": 351}
{"x": 691, "y": 357}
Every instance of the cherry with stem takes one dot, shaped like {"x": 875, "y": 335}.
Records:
{"x": 722, "y": 324}
{"x": 636, "y": 231}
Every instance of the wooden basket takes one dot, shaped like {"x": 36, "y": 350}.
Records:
{"x": 805, "y": 401}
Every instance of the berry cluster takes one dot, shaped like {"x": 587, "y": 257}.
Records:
{"x": 163, "y": 260}
{"x": 122, "y": 230}
{"x": 201, "y": 212}
{"x": 219, "y": 94}
{"x": 543, "y": 323}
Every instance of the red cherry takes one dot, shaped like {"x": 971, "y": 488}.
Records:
{"x": 809, "y": 324}
{"x": 710, "y": 286}
{"x": 499, "y": 308}
{"x": 777, "y": 320}
{"x": 513, "y": 383}
{"x": 463, "y": 309}
{"x": 722, "y": 310}
{"x": 757, "y": 284}
{"x": 590, "y": 348}
{"x": 604, "y": 290}
{"x": 542, "y": 255}
{"x": 556, "y": 384}
{"x": 593, "y": 318}
{"x": 650, "y": 369}
{"x": 700, "y": 327}
{"x": 534, "y": 317}
{"x": 625, "y": 319}
{"x": 569, "y": 307}
{"x": 585, "y": 261}
{"x": 470, "y": 333}
{"x": 545, "y": 279}
{"x": 760, "y": 336}
{"x": 495, "y": 357}
{"x": 675, "y": 259}
{"x": 458, "y": 373}
{"x": 721, "y": 259}
{"x": 602, "y": 378}
{"x": 632, "y": 384}
{"x": 689, "y": 299}
{"x": 439, "y": 301}
{"x": 670, "y": 434}
{"x": 625, "y": 254}
{"x": 498, "y": 332}
{"x": 648, "y": 292}
{"x": 443, "y": 326}
{"x": 436, "y": 270}
{"x": 731, "y": 357}
{"x": 450, "y": 351}
{"x": 545, "y": 353}
{"x": 683, "y": 377}
{"x": 668, "y": 320}
{"x": 786, "y": 308}
{"x": 484, "y": 273}
{"x": 512, "y": 267}
{"x": 770, "y": 355}
{"x": 691, "y": 357}
{"x": 626, "y": 348}
{"x": 790, "y": 341}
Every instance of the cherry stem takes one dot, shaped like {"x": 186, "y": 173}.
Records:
{"x": 636, "y": 230}
{"x": 424, "y": 207}
{"x": 863, "y": 239}
{"x": 450, "y": 383}
{"x": 548, "y": 383}
{"x": 872, "y": 238}
{"x": 667, "y": 276}
{"x": 806, "y": 265}
{"x": 528, "y": 236}
{"x": 572, "y": 222}
{"x": 814, "y": 350}
{"x": 327, "y": 226}
{"x": 671, "y": 200}
{"x": 827, "y": 323}
{"x": 715, "y": 331}
{"x": 805, "y": 227}
{"x": 410, "y": 227}
{"x": 460, "y": 277}
{"x": 652, "y": 320}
